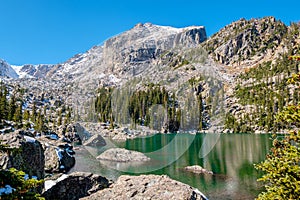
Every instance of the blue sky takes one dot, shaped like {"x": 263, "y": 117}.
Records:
{"x": 52, "y": 31}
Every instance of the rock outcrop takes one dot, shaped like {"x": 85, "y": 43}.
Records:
{"x": 197, "y": 169}
{"x": 147, "y": 187}
{"x": 27, "y": 154}
{"x": 58, "y": 156}
{"x": 95, "y": 141}
{"x": 246, "y": 42}
{"x": 33, "y": 71}
{"x": 146, "y": 42}
{"x": 6, "y": 70}
{"x": 122, "y": 155}
{"x": 74, "y": 186}
{"x": 69, "y": 133}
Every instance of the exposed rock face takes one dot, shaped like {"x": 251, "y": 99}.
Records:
{"x": 147, "y": 41}
{"x": 82, "y": 132}
{"x": 197, "y": 169}
{"x": 135, "y": 48}
{"x": 246, "y": 42}
{"x": 122, "y": 155}
{"x": 33, "y": 71}
{"x": 147, "y": 187}
{"x": 75, "y": 186}
{"x": 69, "y": 133}
{"x": 6, "y": 70}
{"x": 58, "y": 157}
{"x": 28, "y": 155}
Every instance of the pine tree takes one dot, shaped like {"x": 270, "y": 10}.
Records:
{"x": 282, "y": 164}
{"x": 39, "y": 124}
{"x": 33, "y": 112}
{"x": 12, "y": 107}
{"x": 3, "y": 102}
{"x": 18, "y": 114}
{"x": 26, "y": 115}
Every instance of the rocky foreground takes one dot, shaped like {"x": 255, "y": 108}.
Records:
{"x": 41, "y": 155}
{"x": 89, "y": 186}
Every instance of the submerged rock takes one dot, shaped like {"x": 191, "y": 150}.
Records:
{"x": 197, "y": 169}
{"x": 147, "y": 187}
{"x": 122, "y": 155}
{"x": 74, "y": 186}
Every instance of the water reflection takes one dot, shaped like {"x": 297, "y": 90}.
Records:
{"x": 231, "y": 159}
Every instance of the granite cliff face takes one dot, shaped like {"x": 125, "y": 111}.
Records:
{"x": 246, "y": 42}
{"x": 146, "y": 42}
{"x": 133, "y": 50}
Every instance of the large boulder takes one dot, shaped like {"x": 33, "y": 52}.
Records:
{"x": 74, "y": 186}
{"x": 147, "y": 187}
{"x": 95, "y": 141}
{"x": 27, "y": 154}
{"x": 58, "y": 158}
{"x": 122, "y": 155}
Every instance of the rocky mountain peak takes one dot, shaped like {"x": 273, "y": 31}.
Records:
{"x": 141, "y": 25}
{"x": 146, "y": 42}
{"x": 6, "y": 70}
{"x": 33, "y": 71}
{"x": 136, "y": 48}
{"x": 246, "y": 42}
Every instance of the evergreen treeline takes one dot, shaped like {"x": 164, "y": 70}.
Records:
{"x": 12, "y": 108}
{"x": 103, "y": 104}
{"x": 141, "y": 101}
{"x": 139, "y": 106}
{"x": 155, "y": 107}
{"x": 265, "y": 92}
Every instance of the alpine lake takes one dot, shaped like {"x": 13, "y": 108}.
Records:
{"x": 229, "y": 156}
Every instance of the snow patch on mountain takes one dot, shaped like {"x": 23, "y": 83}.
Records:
{"x": 32, "y": 71}
{"x": 6, "y": 70}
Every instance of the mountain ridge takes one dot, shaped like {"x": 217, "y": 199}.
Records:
{"x": 181, "y": 60}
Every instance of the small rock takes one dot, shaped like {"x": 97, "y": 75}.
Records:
{"x": 122, "y": 155}
{"x": 197, "y": 169}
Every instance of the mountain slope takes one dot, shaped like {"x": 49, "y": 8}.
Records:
{"x": 135, "y": 48}
{"x": 206, "y": 82}
{"x": 6, "y": 70}
{"x": 247, "y": 42}
{"x": 32, "y": 71}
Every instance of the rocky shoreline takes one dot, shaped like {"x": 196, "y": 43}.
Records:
{"x": 87, "y": 186}
{"x": 50, "y": 156}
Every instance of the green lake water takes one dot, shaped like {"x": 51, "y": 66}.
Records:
{"x": 229, "y": 156}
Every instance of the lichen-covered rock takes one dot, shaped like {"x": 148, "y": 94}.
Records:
{"x": 147, "y": 187}
{"x": 122, "y": 155}
{"x": 27, "y": 154}
{"x": 74, "y": 186}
